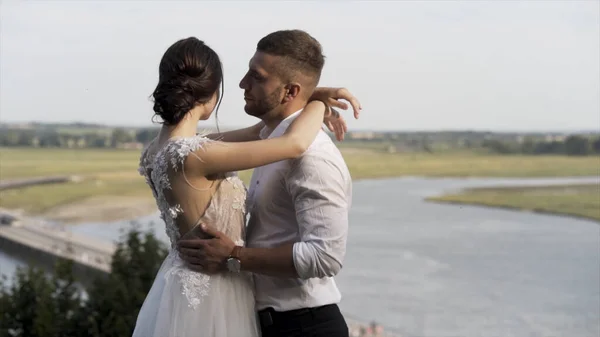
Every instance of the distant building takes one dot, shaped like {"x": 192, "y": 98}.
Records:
{"x": 555, "y": 138}
{"x": 131, "y": 146}
{"x": 362, "y": 135}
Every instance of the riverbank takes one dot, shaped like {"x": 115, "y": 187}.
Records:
{"x": 439, "y": 289}
{"x": 110, "y": 188}
{"x": 580, "y": 201}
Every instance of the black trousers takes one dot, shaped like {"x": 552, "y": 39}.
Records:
{"x": 310, "y": 322}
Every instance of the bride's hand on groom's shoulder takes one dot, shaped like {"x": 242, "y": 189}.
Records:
{"x": 206, "y": 255}
{"x": 336, "y": 124}
{"x": 333, "y": 96}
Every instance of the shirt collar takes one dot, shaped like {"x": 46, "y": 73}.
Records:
{"x": 280, "y": 128}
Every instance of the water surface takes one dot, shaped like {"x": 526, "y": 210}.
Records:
{"x": 427, "y": 269}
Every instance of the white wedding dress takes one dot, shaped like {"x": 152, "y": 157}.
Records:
{"x": 182, "y": 302}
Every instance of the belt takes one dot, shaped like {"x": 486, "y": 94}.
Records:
{"x": 269, "y": 317}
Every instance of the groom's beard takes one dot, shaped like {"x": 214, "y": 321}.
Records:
{"x": 259, "y": 108}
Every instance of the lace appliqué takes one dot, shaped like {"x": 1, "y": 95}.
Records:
{"x": 194, "y": 285}
{"x": 239, "y": 200}
{"x": 175, "y": 211}
{"x": 154, "y": 169}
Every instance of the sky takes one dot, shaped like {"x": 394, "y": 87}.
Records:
{"x": 428, "y": 65}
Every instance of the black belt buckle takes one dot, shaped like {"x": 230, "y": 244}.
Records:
{"x": 266, "y": 319}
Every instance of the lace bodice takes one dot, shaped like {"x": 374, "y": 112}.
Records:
{"x": 226, "y": 210}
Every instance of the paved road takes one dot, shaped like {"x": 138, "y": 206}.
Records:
{"x": 52, "y": 240}
{"x": 19, "y": 183}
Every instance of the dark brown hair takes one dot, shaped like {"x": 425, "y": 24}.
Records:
{"x": 300, "y": 52}
{"x": 190, "y": 73}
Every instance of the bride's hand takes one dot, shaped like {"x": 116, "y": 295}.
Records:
{"x": 332, "y": 96}
{"x": 335, "y": 123}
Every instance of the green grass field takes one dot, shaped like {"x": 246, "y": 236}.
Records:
{"x": 25, "y": 163}
{"x": 114, "y": 172}
{"x": 575, "y": 200}
{"x": 370, "y": 164}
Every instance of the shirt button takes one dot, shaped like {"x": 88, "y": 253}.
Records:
{"x": 257, "y": 182}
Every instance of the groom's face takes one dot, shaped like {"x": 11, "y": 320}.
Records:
{"x": 263, "y": 88}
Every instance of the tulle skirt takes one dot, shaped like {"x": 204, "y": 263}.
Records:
{"x": 184, "y": 303}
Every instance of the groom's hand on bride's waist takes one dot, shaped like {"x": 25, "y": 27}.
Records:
{"x": 206, "y": 255}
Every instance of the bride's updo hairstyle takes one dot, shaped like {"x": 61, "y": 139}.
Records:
{"x": 190, "y": 73}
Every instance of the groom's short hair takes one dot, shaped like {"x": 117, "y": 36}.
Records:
{"x": 299, "y": 52}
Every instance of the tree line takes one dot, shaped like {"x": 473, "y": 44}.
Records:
{"x": 514, "y": 143}
{"x": 574, "y": 145}
{"x": 38, "y": 304}
{"x": 106, "y": 138}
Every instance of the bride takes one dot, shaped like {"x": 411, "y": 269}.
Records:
{"x": 190, "y": 178}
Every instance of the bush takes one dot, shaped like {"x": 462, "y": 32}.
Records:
{"x": 40, "y": 305}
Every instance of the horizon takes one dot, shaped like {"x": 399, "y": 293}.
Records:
{"x": 356, "y": 130}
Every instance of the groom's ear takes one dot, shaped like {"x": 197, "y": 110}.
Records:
{"x": 292, "y": 90}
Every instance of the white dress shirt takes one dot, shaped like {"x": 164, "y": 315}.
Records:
{"x": 306, "y": 201}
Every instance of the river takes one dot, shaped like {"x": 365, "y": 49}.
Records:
{"x": 427, "y": 269}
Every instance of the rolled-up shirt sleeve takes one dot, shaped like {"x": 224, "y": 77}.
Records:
{"x": 321, "y": 193}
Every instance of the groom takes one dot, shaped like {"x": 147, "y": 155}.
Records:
{"x": 296, "y": 235}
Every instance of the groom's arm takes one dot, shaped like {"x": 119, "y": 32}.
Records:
{"x": 276, "y": 261}
{"x": 321, "y": 197}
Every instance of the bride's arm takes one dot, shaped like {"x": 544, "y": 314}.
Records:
{"x": 331, "y": 96}
{"x": 221, "y": 157}
{"x": 240, "y": 135}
